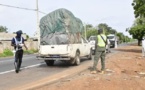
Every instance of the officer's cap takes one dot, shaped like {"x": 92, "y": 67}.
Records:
{"x": 19, "y": 32}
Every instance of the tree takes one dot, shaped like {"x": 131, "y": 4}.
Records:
{"x": 106, "y": 28}
{"x": 88, "y": 26}
{"x": 138, "y": 32}
{"x": 138, "y": 29}
{"x": 112, "y": 31}
{"x": 27, "y": 36}
{"x": 139, "y": 8}
{"x": 121, "y": 37}
{"x": 3, "y": 29}
{"x": 92, "y": 32}
{"x": 127, "y": 39}
{"x": 139, "y": 21}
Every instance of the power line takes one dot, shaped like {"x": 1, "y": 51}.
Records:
{"x": 21, "y": 8}
{"x": 41, "y": 12}
{"x": 18, "y": 7}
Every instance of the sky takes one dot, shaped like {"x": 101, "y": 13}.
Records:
{"x": 118, "y": 14}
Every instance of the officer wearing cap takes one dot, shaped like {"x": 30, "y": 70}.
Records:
{"x": 100, "y": 46}
{"x": 18, "y": 39}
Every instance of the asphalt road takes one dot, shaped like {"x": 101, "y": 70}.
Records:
{"x": 7, "y": 64}
{"x": 32, "y": 70}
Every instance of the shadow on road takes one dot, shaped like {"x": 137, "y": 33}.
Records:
{"x": 61, "y": 64}
{"x": 56, "y": 64}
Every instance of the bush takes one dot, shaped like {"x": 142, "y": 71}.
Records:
{"x": 30, "y": 51}
{"x": 2, "y": 55}
{"x": 6, "y": 52}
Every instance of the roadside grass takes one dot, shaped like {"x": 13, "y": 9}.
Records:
{"x": 8, "y": 52}
{"x": 30, "y": 51}
{"x": 133, "y": 40}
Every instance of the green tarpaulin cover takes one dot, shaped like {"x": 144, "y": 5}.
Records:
{"x": 60, "y": 26}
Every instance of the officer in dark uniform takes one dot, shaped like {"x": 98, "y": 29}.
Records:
{"x": 19, "y": 51}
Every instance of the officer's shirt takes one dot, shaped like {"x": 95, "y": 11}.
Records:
{"x": 18, "y": 39}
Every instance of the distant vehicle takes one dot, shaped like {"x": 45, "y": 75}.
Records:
{"x": 92, "y": 41}
{"x": 113, "y": 40}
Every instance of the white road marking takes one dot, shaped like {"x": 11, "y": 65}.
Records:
{"x": 6, "y": 72}
{"x": 21, "y": 68}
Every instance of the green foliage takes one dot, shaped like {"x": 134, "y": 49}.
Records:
{"x": 137, "y": 32}
{"x": 89, "y": 26}
{"x": 92, "y": 32}
{"x": 6, "y": 52}
{"x": 132, "y": 40}
{"x": 121, "y": 37}
{"x": 3, "y": 29}
{"x": 30, "y": 51}
{"x": 139, "y": 8}
{"x": 139, "y": 21}
{"x": 106, "y": 28}
{"x": 127, "y": 39}
{"x": 27, "y": 37}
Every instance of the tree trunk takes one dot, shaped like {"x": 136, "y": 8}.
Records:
{"x": 139, "y": 42}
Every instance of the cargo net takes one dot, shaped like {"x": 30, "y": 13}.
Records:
{"x": 60, "y": 27}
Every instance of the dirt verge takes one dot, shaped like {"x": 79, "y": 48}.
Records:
{"x": 125, "y": 71}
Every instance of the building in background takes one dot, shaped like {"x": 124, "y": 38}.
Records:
{"x": 8, "y": 36}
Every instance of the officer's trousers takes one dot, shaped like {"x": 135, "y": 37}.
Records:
{"x": 99, "y": 54}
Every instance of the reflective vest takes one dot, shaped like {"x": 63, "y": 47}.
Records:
{"x": 17, "y": 43}
{"x": 101, "y": 42}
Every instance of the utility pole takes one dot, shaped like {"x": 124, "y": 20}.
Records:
{"x": 85, "y": 31}
{"x": 38, "y": 29}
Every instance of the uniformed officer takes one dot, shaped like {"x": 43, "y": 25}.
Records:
{"x": 100, "y": 46}
{"x": 19, "y": 51}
